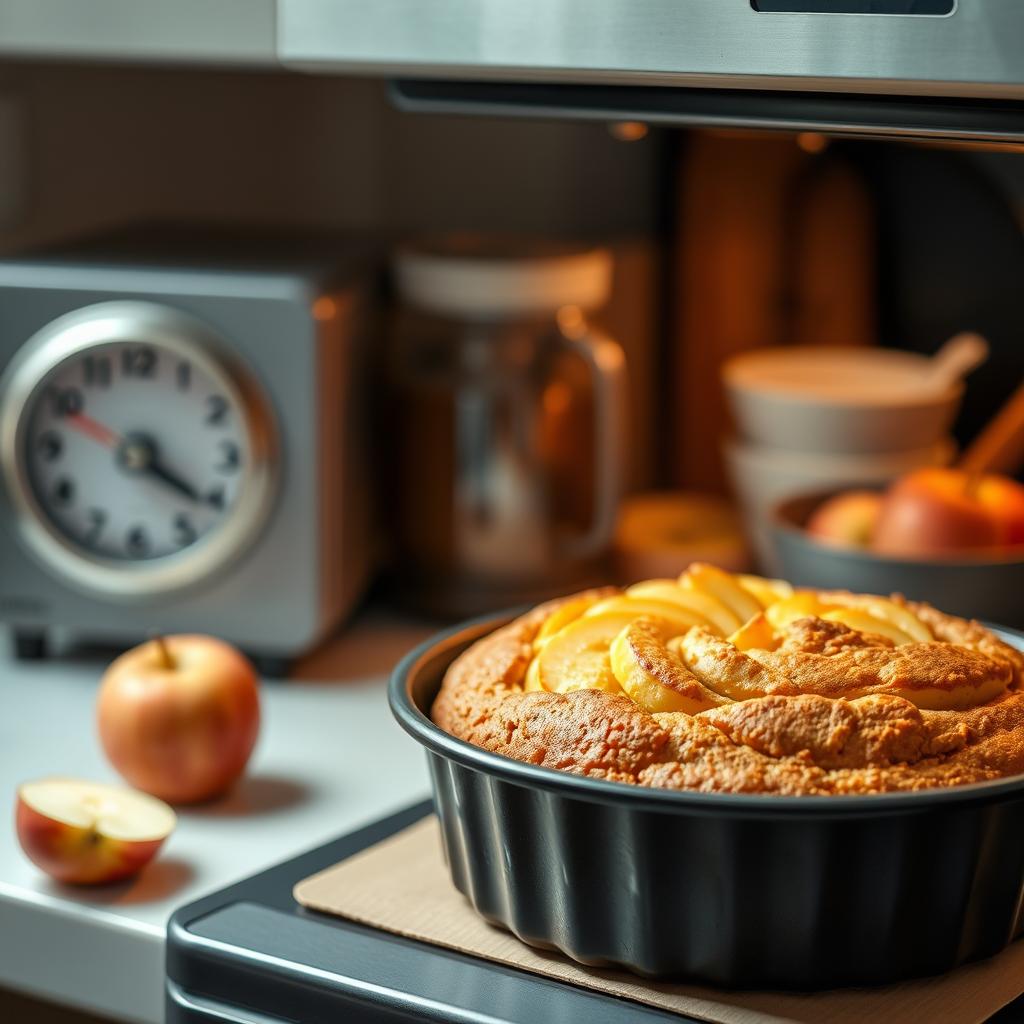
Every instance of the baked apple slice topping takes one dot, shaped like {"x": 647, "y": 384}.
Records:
{"x": 714, "y": 614}
{"x": 889, "y": 611}
{"x": 677, "y": 616}
{"x": 653, "y": 674}
{"x": 864, "y": 622}
{"x": 757, "y": 634}
{"x": 577, "y": 657}
{"x": 565, "y": 613}
{"x": 711, "y": 638}
{"x": 729, "y": 671}
{"x": 767, "y": 591}
{"x": 723, "y": 586}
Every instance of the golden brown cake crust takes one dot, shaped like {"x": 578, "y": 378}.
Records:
{"x": 841, "y": 711}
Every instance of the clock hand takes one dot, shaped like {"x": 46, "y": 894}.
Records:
{"x": 94, "y": 430}
{"x": 138, "y": 453}
{"x": 135, "y": 453}
{"x": 162, "y": 473}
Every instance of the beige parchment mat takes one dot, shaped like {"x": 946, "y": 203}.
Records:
{"x": 401, "y": 885}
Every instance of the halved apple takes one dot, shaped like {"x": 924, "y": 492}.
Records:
{"x": 716, "y": 616}
{"x": 653, "y": 676}
{"x": 88, "y": 833}
{"x": 576, "y": 658}
{"x": 721, "y": 585}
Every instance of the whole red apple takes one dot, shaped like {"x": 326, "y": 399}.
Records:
{"x": 933, "y": 512}
{"x": 86, "y": 833}
{"x": 1004, "y": 499}
{"x": 178, "y": 716}
{"x": 848, "y": 518}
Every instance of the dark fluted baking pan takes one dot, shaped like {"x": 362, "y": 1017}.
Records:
{"x": 735, "y": 890}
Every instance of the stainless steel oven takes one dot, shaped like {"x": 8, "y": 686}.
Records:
{"x": 934, "y": 68}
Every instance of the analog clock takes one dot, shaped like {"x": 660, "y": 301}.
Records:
{"x": 138, "y": 454}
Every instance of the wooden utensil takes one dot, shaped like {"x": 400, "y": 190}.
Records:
{"x": 999, "y": 448}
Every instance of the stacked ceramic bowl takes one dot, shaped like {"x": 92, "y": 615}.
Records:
{"x": 818, "y": 419}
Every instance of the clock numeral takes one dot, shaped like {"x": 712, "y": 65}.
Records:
{"x": 97, "y": 520}
{"x": 138, "y": 362}
{"x": 216, "y": 410}
{"x": 50, "y": 445}
{"x": 63, "y": 491}
{"x": 216, "y": 497}
{"x": 184, "y": 531}
{"x": 184, "y": 376}
{"x": 96, "y": 371}
{"x": 137, "y": 541}
{"x": 232, "y": 457}
{"x": 66, "y": 401}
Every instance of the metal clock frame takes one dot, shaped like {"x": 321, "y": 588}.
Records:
{"x": 170, "y": 330}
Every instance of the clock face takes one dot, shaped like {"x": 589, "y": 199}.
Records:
{"x": 138, "y": 454}
{"x": 133, "y": 451}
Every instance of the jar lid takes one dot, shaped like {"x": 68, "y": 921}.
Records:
{"x": 470, "y": 277}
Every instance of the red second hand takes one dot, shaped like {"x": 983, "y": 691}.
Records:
{"x": 94, "y": 429}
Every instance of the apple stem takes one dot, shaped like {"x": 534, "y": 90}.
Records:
{"x": 165, "y": 652}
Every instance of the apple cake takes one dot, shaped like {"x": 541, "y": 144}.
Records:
{"x": 741, "y": 684}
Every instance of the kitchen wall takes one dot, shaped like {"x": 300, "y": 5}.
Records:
{"x": 111, "y": 144}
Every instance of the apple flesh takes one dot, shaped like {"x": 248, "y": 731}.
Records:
{"x": 934, "y": 511}
{"x": 178, "y": 717}
{"x": 86, "y": 833}
{"x": 848, "y": 519}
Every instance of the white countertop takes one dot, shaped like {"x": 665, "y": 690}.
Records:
{"x": 330, "y": 759}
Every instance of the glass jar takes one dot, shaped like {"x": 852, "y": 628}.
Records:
{"x": 506, "y": 412}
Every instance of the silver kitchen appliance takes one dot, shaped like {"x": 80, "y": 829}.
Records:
{"x": 181, "y": 439}
{"x": 950, "y": 69}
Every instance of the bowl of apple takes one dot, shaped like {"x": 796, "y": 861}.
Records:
{"x": 946, "y": 536}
